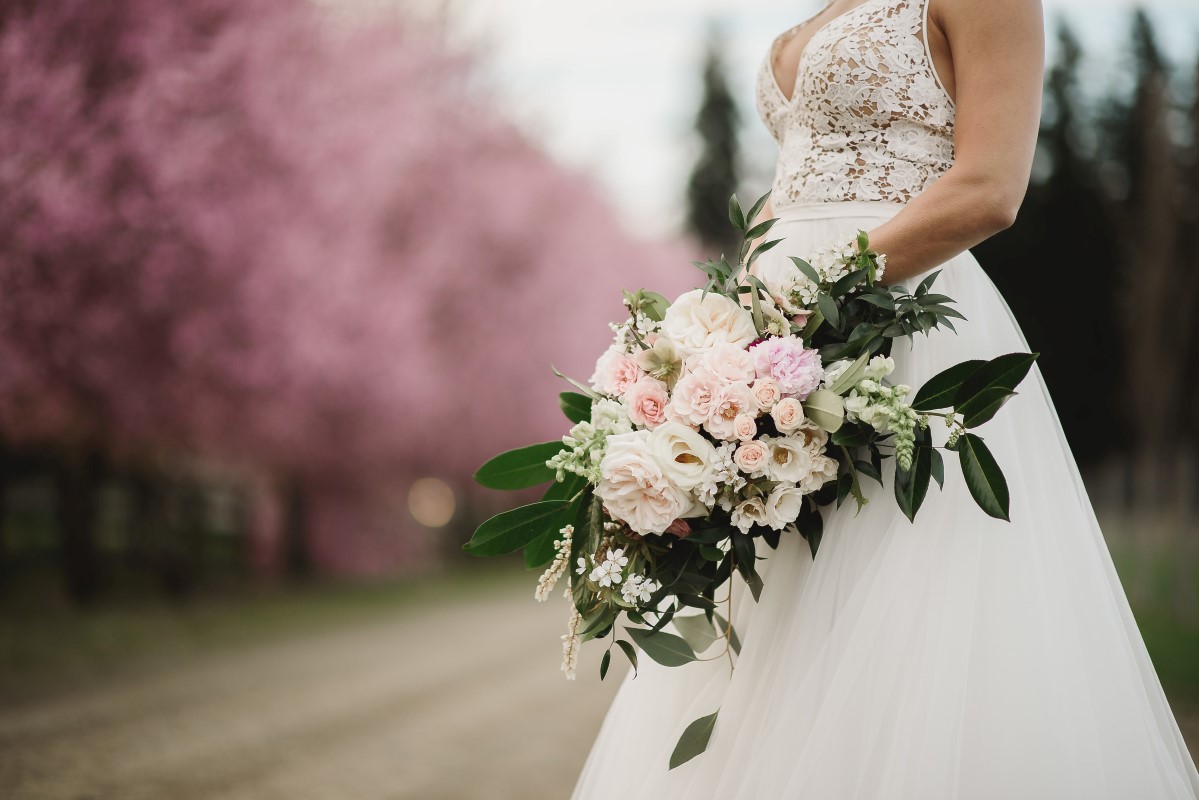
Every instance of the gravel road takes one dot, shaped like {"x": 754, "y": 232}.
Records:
{"x": 455, "y": 702}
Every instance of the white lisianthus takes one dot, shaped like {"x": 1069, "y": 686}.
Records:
{"x": 748, "y": 513}
{"x": 789, "y": 460}
{"x": 684, "y": 456}
{"x": 634, "y": 487}
{"x": 695, "y": 322}
{"x": 783, "y": 505}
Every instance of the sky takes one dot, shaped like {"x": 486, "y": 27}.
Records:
{"x": 611, "y": 88}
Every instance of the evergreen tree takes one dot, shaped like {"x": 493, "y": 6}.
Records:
{"x": 1062, "y": 245}
{"x": 715, "y": 174}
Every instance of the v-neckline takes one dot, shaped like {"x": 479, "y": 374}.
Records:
{"x": 770, "y": 53}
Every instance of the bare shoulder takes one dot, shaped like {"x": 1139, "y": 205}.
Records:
{"x": 1016, "y": 23}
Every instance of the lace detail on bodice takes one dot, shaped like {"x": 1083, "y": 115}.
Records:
{"x": 869, "y": 118}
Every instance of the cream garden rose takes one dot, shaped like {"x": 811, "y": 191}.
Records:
{"x": 647, "y": 400}
{"x": 634, "y": 487}
{"x": 694, "y": 323}
{"x": 788, "y": 415}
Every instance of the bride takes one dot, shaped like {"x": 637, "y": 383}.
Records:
{"x": 959, "y": 656}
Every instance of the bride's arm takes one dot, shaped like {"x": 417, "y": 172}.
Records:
{"x": 998, "y": 55}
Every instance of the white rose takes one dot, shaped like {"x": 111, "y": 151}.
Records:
{"x": 729, "y": 363}
{"x": 634, "y": 487}
{"x": 789, "y": 460}
{"x": 824, "y": 469}
{"x": 748, "y": 513}
{"x": 694, "y": 325}
{"x": 783, "y": 505}
{"x": 684, "y": 456}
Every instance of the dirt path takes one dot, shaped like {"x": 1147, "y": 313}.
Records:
{"x": 450, "y": 703}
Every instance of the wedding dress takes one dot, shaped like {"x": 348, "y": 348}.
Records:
{"x": 955, "y": 657}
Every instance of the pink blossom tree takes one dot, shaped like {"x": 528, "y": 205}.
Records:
{"x": 230, "y": 230}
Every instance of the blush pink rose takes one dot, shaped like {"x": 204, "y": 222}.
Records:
{"x": 752, "y": 457}
{"x": 731, "y": 400}
{"x": 646, "y": 401}
{"x": 787, "y": 415}
{"x": 766, "y": 393}
{"x": 615, "y": 372}
{"x": 694, "y": 397}
{"x": 745, "y": 427}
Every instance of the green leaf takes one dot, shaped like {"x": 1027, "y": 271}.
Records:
{"x": 694, "y": 740}
{"x": 655, "y": 305}
{"x": 982, "y": 406}
{"x": 519, "y": 469}
{"x": 513, "y": 529}
{"x": 938, "y": 467}
{"x": 847, "y": 282}
{"x": 926, "y": 284}
{"x": 851, "y": 375}
{"x": 759, "y": 204}
{"x": 880, "y": 299}
{"x": 586, "y": 390}
{"x": 814, "y": 321}
{"x": 736, "y": 215}
{"x": 762, "y": 248}
{"x": 939, "y": 391}
{"x": 604, "y": 662}
{"x": 828, "y": 307}
{"x": 724, "y": 627}
{"x": 575, "y": 406}
{"x": 630, "y": 653}
{"x": 697, "y": 631}
{"x": 983, "y": 476}
{"x": 807, "y": 269}
{"x": 540, "y": 551}
{"x": 665, "y": 648}
{"x": 760, "y": 229}
{"x": 911, "y": 486}
{"x": 1004, "y": 371}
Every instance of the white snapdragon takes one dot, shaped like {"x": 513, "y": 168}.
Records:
{"x": 586, "y": 443}
{"x": 885, "y": 409}
{"x": 557, "y": 567}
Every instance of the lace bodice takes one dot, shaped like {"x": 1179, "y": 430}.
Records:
{"x": 869, "y": 118}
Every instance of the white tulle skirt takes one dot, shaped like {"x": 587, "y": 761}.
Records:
{"x": 955, "y": 657}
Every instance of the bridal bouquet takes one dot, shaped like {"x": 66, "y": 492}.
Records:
{"x": 742, "y": 410}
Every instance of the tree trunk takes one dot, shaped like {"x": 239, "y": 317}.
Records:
{"x": 77, "y": 479}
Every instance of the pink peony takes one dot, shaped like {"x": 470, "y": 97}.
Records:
{"x": 796, "y": 369}
{"x": 647, "y": 400}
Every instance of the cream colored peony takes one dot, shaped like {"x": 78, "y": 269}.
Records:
{"x": 695, "y": 325}
{"x": 635, "y": 489}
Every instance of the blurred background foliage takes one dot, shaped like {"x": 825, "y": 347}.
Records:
{"x": 272, "y": 286}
